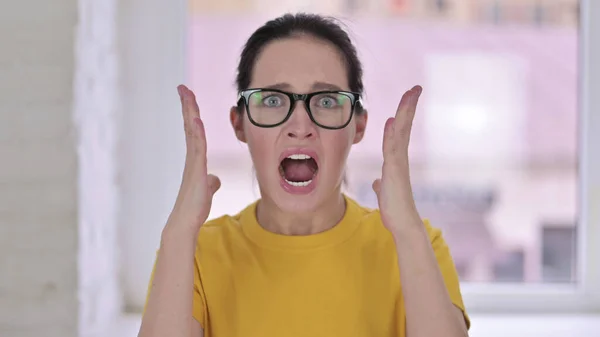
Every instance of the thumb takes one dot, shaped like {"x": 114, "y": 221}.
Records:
{"x": 214, "y": 183}
{"x": 377, "y": 186}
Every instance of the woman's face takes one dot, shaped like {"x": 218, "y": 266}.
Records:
{"x": 299, "y": 65}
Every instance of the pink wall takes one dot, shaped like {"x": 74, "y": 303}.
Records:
{"x": 393, "y": 53}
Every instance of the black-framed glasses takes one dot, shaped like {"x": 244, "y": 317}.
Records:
{"x": 268, "y": 108}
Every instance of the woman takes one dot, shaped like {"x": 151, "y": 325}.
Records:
{"x": 304, "y": 260}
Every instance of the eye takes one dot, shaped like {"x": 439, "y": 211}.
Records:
{"x": 272, "y": 101}
{"x": 327, "y": 102}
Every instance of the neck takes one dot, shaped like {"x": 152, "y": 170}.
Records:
{"x": 325, "y": 217}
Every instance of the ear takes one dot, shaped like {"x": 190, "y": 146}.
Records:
{"x": 361, "y": 125}
{"x": 237, "y": 122}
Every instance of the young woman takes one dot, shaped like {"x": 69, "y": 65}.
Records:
{"x": 305, "y": 259}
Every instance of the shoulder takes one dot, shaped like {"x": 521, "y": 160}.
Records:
{"x": 363, "y": 212}
{"x": 370, "y": 224}
{"x": 224, "y": 225}
{"x": 220, "y": 223}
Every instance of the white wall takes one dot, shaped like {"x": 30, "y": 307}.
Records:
{"x": 152, "y": 34}
{"x": 58, "y": 195}
{"x": 95, "y": 113}
{"x": 38, "y": 171}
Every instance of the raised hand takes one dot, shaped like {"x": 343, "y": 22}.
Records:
{"x": 394, "y": 192}
{"x": 194, "y": 200}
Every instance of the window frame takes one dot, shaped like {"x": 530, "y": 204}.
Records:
{"x": 584, "y": 295}
{"x": 168, "y": 58}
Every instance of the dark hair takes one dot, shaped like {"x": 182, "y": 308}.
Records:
{"x": 289, "y": 25}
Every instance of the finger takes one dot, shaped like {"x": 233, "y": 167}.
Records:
{"x": 377, "y": 186}
{"x": 195, "y": 160}
{"x": 214, "y": 183}
{"x": 195, "y": 136}
{"x": 189, "y": 109}
{"x": 405, "y": 113}
{"x": 193, "y": 104}
{"x": 188, "y": 101}
{"x": 389, "y": 145}
{"x": 193, "y": 125}
{"x": 199, "y": 139}
{"x": 187, "y": 120}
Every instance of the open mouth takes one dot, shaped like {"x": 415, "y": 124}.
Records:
{"x": 298, "y": 169}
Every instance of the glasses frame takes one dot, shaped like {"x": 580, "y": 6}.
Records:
{"x": 294, "y": 98}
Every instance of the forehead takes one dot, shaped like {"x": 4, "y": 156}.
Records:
{"x": 300, "y": 62}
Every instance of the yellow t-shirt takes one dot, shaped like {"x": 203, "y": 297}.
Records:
{"x": 343, "y": 282}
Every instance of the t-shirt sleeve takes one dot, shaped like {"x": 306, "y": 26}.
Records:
{"x": 150, "y": 284}
{"x": 199, "y": 303}
{"x": 447, "y": 267}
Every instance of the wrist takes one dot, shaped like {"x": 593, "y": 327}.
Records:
{"x": 179, "y": 233}
{"x": 408, "y": 229}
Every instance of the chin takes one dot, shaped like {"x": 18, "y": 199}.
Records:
{"x": 294, "y": 203}
{"x": 304, "y": 199}
{"x": 297, "y": 185}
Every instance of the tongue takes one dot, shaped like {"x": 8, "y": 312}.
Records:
{"x": 297, "y": 170}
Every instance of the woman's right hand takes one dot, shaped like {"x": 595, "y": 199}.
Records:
{"x": 194, "y": 200}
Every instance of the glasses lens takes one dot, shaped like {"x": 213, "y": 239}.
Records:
{"x": 331, "y": 109}
{"x": 268, "y": 107}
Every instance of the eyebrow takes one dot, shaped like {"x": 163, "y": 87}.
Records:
{"x": 316, "y": 86}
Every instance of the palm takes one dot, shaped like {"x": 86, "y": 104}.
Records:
{"x": 197, "y": 187}
{"x": 394, "y": 193}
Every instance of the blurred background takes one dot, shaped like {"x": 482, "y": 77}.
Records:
{"x": 494, "y": 151}
{"x": 92, "y": 147}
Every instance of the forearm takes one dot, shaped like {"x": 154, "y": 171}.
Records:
{"x": 429, "y": 309}
{"x": 169, "y": 308}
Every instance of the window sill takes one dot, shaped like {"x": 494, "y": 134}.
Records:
{"x": 483, "y": 325}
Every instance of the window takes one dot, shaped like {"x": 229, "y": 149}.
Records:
{"x": 494, "y": 150}
{"x": 501, "y": 149}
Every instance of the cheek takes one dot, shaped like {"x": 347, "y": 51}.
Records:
{"x": 340, "y": 144}
{"x": 261, "y": 144}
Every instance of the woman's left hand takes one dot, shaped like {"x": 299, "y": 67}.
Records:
{"x": 394, "y": 192}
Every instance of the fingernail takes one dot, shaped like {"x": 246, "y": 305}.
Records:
{"x": 418, "y": 89}
{"x": 389, "y": 122}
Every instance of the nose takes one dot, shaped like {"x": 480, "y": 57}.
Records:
{"x": 300, "y": 126}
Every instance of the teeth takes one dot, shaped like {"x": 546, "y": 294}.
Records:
{"x": 298, "y": 183}
{"x": 299, "y": 157}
